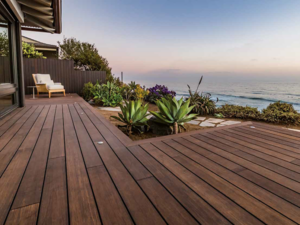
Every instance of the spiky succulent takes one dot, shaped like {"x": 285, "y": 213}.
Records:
{"x": 173, "y": 113}
{"x": 134, "y": 115}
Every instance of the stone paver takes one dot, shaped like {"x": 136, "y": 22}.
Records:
{"x": 200, "y": 118}
{"x": 213, "y": 120}
{"x": 229, "y": 122}
{"x": 114, "y": 109}
{"x": 193, "y": 122}
{"x": 207, "y": 124}
{"x": 294, "y": 130}
{"x": 221, "y": 125}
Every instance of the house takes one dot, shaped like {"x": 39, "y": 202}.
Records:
{"x": 15, "y": 16}
{"x": 48, "y": 50}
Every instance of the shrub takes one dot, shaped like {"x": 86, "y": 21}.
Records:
{"x": 242, "y": 112}
{"x": 158, "y": 92}
{"x": 133, "y": 91}
{"x": 87, "y": 91}
{"x": 173, "y": 113}
{"x": 281, "y": 113}
{"x": 107, "y": 94}
{"x": 126, "y": 92}
{"x": 134, "y": 115}
{"x": 203, "y": 103}
{"x": 281, "y": 107}
{"x": 140, "y": 93}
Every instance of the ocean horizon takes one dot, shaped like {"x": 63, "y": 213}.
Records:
{"x": 254, "y": 93}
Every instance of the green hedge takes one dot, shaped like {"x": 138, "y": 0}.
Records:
{"x": 282, "y": 113}
{"x": 235, "y": 111}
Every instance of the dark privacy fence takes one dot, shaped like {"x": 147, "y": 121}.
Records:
{"x": 61, "y": 71}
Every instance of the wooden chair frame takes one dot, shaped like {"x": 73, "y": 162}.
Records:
{"x": 43, "y": 88}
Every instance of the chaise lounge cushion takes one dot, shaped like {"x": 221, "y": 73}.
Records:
{"x": 43, "y": 79}
{"x": 55, "y": 87}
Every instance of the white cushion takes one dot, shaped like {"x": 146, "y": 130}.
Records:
{"x": 57, "y": 83}
{"x": 43, "y": 79}
{"x": 55, "y": 87}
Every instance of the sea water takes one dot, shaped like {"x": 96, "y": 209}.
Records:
{"x": 255, "y": 93}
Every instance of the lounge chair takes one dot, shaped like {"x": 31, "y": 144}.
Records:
{"x": 44, "y": 83}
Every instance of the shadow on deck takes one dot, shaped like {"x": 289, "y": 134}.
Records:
{"x": 61, "y": 162}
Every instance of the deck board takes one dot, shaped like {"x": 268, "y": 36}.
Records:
{"x": 30, "y": 190}
{"x": 273, "y": 141}
{"x": 82, "y": 206}
{"x": 54, "y": 171}
{"x": 190, "y": 159}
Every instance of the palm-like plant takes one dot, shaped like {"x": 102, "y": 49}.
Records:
{"x": 134, "y": 115}
{"x": 173, "y": 113}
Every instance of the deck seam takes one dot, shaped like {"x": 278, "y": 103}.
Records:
{"x": 46, "y": 167}
{"x": 66, "y": 168}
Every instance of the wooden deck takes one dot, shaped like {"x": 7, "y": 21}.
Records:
{"x": 54, "y": 171}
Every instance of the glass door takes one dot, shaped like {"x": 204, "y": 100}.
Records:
{"x": 8, "y": 80}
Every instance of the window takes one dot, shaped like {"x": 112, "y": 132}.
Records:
{"x": 8, "y": 78}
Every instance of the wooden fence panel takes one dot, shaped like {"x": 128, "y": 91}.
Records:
{"x": 60, "y": 71}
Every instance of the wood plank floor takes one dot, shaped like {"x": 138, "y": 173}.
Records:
{"x": 53, "y": 170}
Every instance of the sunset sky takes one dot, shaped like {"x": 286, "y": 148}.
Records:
{"x": 188, "y": 37}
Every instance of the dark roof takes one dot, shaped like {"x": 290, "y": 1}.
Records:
{"x": 38, "y": 43}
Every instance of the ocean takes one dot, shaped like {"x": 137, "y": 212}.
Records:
{"x": 254, "y": 93}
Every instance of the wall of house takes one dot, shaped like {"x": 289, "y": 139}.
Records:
{"x": 50, "y": 54}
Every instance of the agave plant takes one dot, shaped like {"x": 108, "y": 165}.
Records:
{"x": 203, "y": 103}
{"x": 173, "y": 113}
{"x": 134, "y": 115}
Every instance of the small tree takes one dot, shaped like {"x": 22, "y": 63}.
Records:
{"x": 28, "y": 49}
{"x": 85, "y": 55}
{"x": 30, "y": 52}
{"x": 4, "y": 44}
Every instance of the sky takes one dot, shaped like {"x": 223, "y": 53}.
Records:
{"x": 181, "y": 39}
